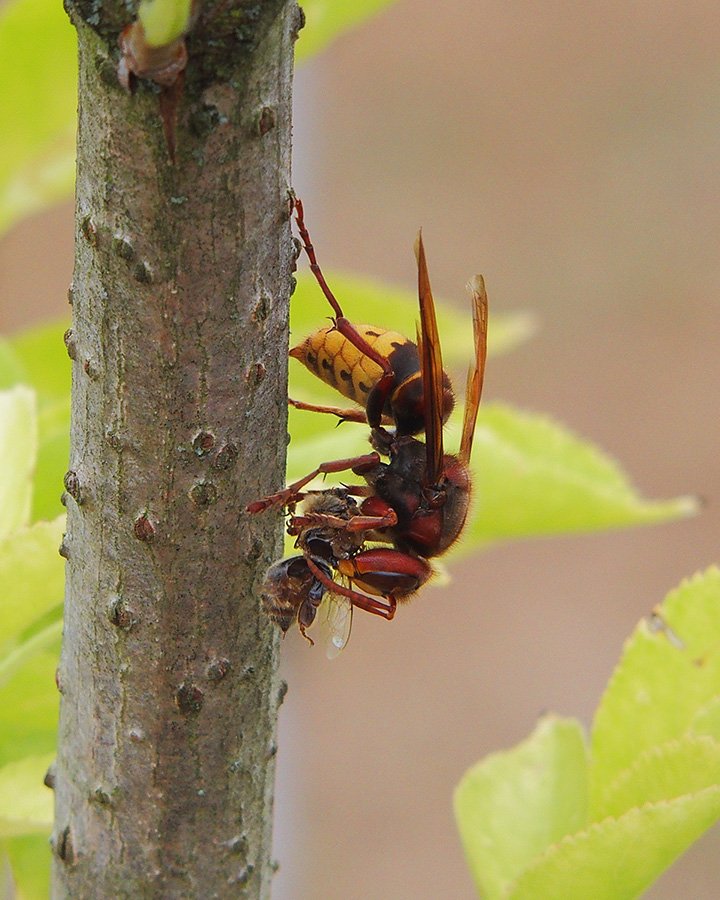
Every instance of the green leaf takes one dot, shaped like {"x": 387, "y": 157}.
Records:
{"x": 513, "y": 805}
{"x": 669, "y": 672}
{"x": 532, "y": 477}
{"x": 48, "y": 178}
{"x": 37, "y": 357}
{"x": 706, "y": 720}
{"x": 42, "y": 640}
{"x": 326, "y": 20}
{"x": 683, "y": 766}
{"x": 164, "y": 20}
{"x": 654, "y": 772}
{"x": 30, "y": 861}
{"x": 12, "y": 371}
{"x": 26, "y": 805}
{"x": 37, "y": 107}
{"x": 52, "y": 460}
{"x": 18, "y": 448}
{"x": 32, "y": 575}
{"x": 42, "y": 356}
{"x": 370, "y": 303}
{"x": 29, "y": 708}
{"x": 618, "y": 858}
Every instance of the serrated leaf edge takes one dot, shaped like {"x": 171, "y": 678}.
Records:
{"x": 642, "y": 630}
{"x": 656, "y": 752}
{"x": 592, "y": 827}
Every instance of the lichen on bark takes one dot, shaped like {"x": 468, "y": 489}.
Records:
{"x": 180, "y": 292}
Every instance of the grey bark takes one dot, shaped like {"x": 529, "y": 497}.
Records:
{"x": 179, "y": 339}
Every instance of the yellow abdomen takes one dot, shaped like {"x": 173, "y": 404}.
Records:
{"x": 329, "y": 355}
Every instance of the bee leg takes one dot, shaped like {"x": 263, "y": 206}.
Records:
{"x": 292, "y": 492}
{"x": 306, "y": 616}
{"x": 306, "y": 636}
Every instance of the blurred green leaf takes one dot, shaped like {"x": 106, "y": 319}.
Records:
{"x": 164, "y": 20}
{"x": 683, "y": 766}
{"x": 37, "y": 106}
{"x": 30, "y": 860}
{"x": 52, "y": 460}
{"x": 669, "y": 672}
{"x": 369, "y": 303}
{"x": 326, "y": 20}
{"x": 618, "y": 858}
{"x": 26, "y": 805}
{"x": 706, "y": 720}
{"x": 32, "y": 575}
{"x": 513, "y": 805}
{"x": 37, "y": 357}
{"x": 47, "y": 179}
{"x": 533, "y": 477}
{"x": 42, "y": 356}
{"x": 12, "y": 370}
{"x": 43, "y": 640}
{"x": 29, "y": 708}
{"x": 18, "y": 449}
{"x": 653, "y": 772}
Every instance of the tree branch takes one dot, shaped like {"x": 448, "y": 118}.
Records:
{"x": 179, "y": 339}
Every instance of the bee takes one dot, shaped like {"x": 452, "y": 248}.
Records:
{"x": 329, "y": 531}
{"x": 291, "y": 593}
{"x": 416, "y": 503}
{"x": 380, "y": 370}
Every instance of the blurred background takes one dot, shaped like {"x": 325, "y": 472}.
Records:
{"x": 570, "y": 153}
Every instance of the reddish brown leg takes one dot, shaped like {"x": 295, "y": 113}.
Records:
{"x": 345, "y": 415}
{"x": 348, "y": 330}
{"x": 314, "y": 267}
{"x": 343, "y": 325}
{"x": 292, "y": 493}
{"x": 308, "y": 520}
{"x": 383, "y": 387}
{"x": 353, "y": 524}
{"x": 369, "y": 604}
{"x": 370, "y": 523}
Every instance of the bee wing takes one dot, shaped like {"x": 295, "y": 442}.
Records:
{"x": 476, "y": 372}
{"x": 336, "y": 622}
{"x": 431, "y": 367}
